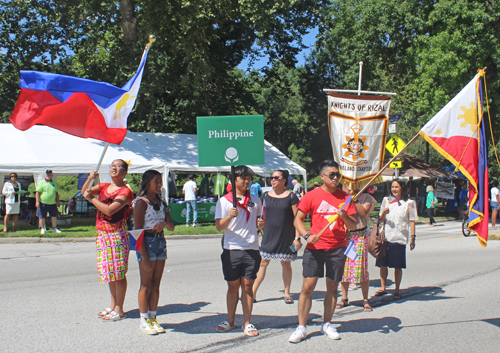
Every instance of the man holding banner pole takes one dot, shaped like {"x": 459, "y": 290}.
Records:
{"x": 325, "y": 251}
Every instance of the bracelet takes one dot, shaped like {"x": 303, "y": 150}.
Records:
{"x": 413, "y": 235}
{"x": 307, "y": 236}
{"x": 297, "y": 238}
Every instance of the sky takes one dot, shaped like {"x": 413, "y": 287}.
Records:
{"x": 308, "y": 39}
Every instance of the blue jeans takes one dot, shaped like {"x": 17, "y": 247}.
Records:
{"x": 192, "y": 204}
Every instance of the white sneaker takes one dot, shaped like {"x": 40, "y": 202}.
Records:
{"x": 148, "y": 328}
{"x": 156, "y": 325}
{"x": 55, "y": 230}
{"x": 298, "y": 335}
{"x": 330, "y": 331}
{"x": 42, "y": 230}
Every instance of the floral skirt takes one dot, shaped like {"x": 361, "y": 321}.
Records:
{"x": 112, "y": 245}
{"x": 356, "y": 271}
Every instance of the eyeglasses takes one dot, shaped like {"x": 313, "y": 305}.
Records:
{"x": 13, "y": 176}
{"x": 117, "y": 166}
{"x": 333, "y": 175}
{"x": 275, "y": 178}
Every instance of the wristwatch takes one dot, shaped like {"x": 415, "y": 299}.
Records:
{"x": 413, "y": 235}
{"x": 307, "y": 236}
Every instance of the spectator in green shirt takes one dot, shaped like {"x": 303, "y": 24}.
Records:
{"x": 47, "y": 201}
{"x": 204, "y": 186}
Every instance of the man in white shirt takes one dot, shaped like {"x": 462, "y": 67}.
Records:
{"x": 298, "y": 190}
{"x": 189, "y": 191}
{"x": 241, "y": 256}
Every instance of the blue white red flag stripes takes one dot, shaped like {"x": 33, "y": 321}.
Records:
{"x": 136, "y": 237}
{"x": 457, "y": 132}
{"x": 77, "y": 106}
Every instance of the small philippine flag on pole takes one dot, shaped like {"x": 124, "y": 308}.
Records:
{"x": 136, "y": 237}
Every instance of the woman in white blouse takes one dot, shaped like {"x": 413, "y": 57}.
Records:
{"x": 399, "y": 214}
{"x": 12, "y": 192}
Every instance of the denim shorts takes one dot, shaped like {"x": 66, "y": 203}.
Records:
{"x": 156, "y": 248}
{"x": 494, "y": 205}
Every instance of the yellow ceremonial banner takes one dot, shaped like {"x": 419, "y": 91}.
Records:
{"x": 358, "y": 132}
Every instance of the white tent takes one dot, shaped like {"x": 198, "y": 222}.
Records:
{"x": 41, "y": 148}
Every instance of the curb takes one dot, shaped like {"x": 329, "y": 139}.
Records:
{"x": 14, "y": 240}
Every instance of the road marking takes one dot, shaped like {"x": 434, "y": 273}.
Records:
{"x": 453, "y": 236}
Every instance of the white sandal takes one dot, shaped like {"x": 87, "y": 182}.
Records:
{"x": 113, "y": 316}
{"x": 104, "y": 312}
{"x": 249, "y": 328}
{"x": 225, "y": 327}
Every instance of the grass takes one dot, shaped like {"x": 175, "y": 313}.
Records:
{"x": 85, "y": 227}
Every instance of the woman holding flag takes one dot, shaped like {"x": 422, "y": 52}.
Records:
{"x": 280, "y": 234}
{"x": 399, "y": 215}
{"x": 112, "y": 242}
{"x": 152, "y": 214}
{"x": 356, "y": 270}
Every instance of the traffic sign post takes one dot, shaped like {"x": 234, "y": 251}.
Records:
{"x": 230, "y": 141}
{"x": 394, "y": 145}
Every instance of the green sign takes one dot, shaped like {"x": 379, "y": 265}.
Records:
{"x": 206, "y": 212}
{"x": 230, "y": 140}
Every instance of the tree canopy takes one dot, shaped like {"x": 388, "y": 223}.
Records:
{"x": 425, "y": 51}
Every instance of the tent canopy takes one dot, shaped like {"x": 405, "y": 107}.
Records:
{"x": 41, "y": 148}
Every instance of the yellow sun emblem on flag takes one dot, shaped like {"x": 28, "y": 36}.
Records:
{"x": 355, "y": 145}
{"x": 122, "y": 103}
{"x": 469, "y": 116}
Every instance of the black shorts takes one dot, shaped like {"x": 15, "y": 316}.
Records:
{"x": 31, "y": 204}
{"x": 240, "y": 263}
{"x": 315, "y": 261}
{"x": 50, "y": 209}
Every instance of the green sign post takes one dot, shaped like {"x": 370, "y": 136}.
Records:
{"x": 230, "y": 141}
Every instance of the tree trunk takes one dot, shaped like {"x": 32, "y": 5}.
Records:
{"x": 128, "y": 22}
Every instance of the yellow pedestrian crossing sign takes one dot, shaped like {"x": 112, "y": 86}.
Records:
{"x": 396, "y": 165}
{"x": 394, "y": 145}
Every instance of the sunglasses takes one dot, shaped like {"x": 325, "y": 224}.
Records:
{"x": 333, "y": 175}
{"x": 275, "y": 178}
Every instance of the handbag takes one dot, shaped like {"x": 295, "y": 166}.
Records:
{"x": 377, "y": 245}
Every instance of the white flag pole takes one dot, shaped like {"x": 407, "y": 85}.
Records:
{"x": 360, "y": 75}
{"x": 100, "y": 162}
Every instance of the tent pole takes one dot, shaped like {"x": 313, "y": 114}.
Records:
{"x": 100, "y": 162}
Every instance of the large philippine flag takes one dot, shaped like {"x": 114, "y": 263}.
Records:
{"x": 457, "y": 132}
{"x": 76, "y": 106}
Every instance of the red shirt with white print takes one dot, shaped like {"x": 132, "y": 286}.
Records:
{"x": 321, "y": 204}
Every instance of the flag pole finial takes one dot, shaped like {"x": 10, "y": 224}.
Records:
{"x": 482, "y": 72}
{"x": 152, "y": 38}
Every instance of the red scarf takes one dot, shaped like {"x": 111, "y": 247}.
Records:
{"x": 229, "y": 197}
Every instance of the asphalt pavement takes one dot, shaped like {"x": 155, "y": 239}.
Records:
{"x": 49, "y": 300}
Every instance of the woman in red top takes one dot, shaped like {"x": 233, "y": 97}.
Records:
{"x": 112, "y": 242}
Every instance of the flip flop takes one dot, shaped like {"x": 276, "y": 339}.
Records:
{"x": 225, "y": 327}
{"x": 104, "y": 312}
{"x": 113, "y": 316}
{"x": 251, "y": 331}
{"x": 380, "y": 293}
{"x": 396, "y": 296}
{"x": 288, "y": 299}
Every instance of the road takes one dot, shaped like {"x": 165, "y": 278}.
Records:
{"x": 49, "y": 298}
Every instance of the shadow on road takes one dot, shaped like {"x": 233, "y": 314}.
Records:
{"x": 382, "y": 325}
{"x": 171, "y": 309}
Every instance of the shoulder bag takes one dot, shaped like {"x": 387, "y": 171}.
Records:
{"x": 377, "y": 245}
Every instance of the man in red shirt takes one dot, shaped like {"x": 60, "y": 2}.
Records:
{"x": 323, "y": 251}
